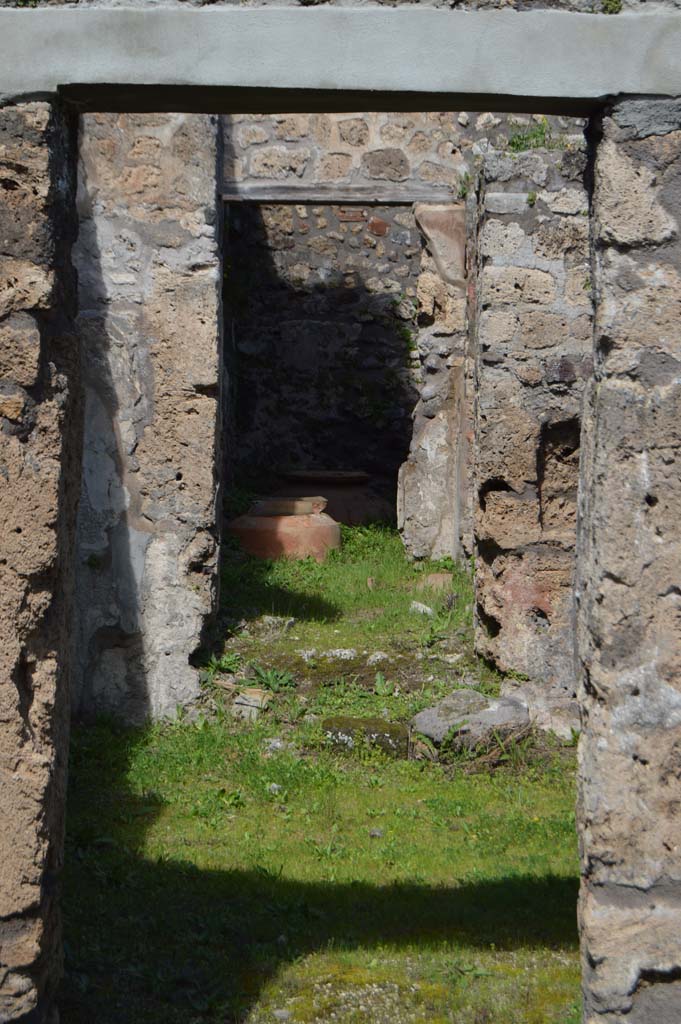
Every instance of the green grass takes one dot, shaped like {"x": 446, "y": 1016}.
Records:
{"x": 334, "y": 608}
{"x": 195, "y": 893}
{"x": 214, "y": 877}
{"x": 537, "y": 135}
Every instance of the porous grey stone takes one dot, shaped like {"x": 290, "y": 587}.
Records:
{"x": 503, "y": 717}
{"x": 436, "y": 722}
{"x": 550, "y": 712}
{"x": 637, "y": 119}
{"x": 469, "y": 719}
{"x": 506, "y": 202}
{"x": 340, "y": 654}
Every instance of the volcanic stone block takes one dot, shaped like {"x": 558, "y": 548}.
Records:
{"x": 39, "y": 478}
{"x": 629, "y": 597}
{"x": 149, "y": 262}
{"x": 533, "y": 356}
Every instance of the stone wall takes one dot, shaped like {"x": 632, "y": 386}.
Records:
{"x": 415, "y": 155}
{"x": 629, "y": 593}
{"x": 366, "y": 317}
{"x": 321, "y": 309}
{"x": 149, "y": 266}
{"x": 365, "y": 151}
{"x": 39, "y": 475}
{"x": 533, "y": 359}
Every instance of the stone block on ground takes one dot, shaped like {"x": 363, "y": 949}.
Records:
{"x": 418, "y": 608}
{"x": 470, "y": 719}
{"x": 548, "y": 711}
{"x": 250, "y": 702}
{"x": 346, "y": 733}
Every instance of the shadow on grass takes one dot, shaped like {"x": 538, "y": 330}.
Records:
{"x": 164, "y": 942}
{"x": 247, "y": 592}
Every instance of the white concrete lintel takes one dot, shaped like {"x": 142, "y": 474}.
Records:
{"x": 224, "y": 57}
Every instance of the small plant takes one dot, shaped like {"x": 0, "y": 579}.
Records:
{"x": 290, "y": 710}
{"x": 408, "y": 338}
{"x": 382, "y": 686}
{"x": 326, "y": 849}
{"x": 531, "y": 198}
{"x": 274, "y": 679}
{"x": 537, "y": 136}
{"x": 438, "y": 628}
{"x": 464, "y": 185}
{"x": 227, "y": 663}
{"x": 211, "y": 806}
{"x": 611, "y": 6}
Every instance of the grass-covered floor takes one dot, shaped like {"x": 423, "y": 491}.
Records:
{"x": 212, "y": 878}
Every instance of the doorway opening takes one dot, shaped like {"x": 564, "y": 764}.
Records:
{"x": 324, "y": 835}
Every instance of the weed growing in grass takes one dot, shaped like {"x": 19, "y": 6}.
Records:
{"x": 382, "y": 686}
{"x": 274, "y": 679}
{"x": 228, "y": 663}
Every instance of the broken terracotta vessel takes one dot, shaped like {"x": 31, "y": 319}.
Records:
{"x": 350, "y": 497}
{"x": 287, "y": 528}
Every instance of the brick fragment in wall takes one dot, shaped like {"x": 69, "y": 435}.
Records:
{"x": 628, "y": 593}
{"x": 149, "y": 264}
{"x": 40, "y": 415}
{"x": 444, "y": 229}
{"x": 533, "y": 360}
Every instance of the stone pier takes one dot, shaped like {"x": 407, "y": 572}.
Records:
{"x": 629, "y": 578}
{"x": 533, "y": 353}
{"x": 149, "y": 267}
{"x": 40, "y": 443}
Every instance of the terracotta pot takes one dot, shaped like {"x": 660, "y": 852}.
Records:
{"x": 350, "y": 499}
{"x": 287, "y": 506}
{"x": 287, "y": 528}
